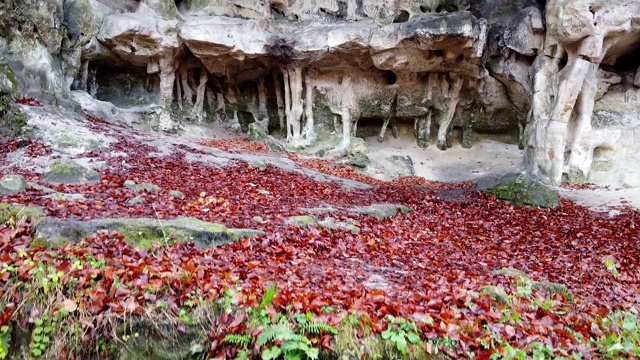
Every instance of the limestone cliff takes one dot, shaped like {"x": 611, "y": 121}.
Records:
{"x": 566, "y": 71}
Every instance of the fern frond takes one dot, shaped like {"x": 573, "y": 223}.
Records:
{"x": 275, "y": 331}
{"x": 318, "y": 327}
{"x": 267, "y": 298}
{"x": 238, "y": 339}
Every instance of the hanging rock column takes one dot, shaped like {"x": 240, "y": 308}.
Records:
{"x": 564, "y": 97}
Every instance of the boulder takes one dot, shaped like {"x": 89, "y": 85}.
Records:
{"x": 148, "y": 187}
{"x": 525, "y": 191}
{"x": 12, "y": 184}
{"x": 69, "y": 172}
{"x": 381, "y": 211}
{"x": 143, "y": 232}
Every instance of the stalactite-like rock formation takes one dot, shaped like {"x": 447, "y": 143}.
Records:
{"x": 563, "y": 77}
{"x": 581, "y": 36}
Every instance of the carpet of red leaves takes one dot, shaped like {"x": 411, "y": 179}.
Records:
{"x": 236, "y": 145}
{"x": 427, "y": 261}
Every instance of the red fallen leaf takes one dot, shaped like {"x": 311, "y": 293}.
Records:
{"x": 95, "y": 309}
{"x": 122, "y": 292}
{"x": 237, "y": 321}
{"x": 4, "y": 318}
{"x": 510, "y": 331}
{"x": 563, "y": 333}
{"x": 190, "y": 266}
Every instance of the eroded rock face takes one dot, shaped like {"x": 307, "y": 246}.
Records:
{"x": 583, "y": 36}
{"x": 328, "y": 69}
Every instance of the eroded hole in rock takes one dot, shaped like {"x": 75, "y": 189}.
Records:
{"x": 245, "y": 118}
{"x": 389, "y": 77}
{"x": 403, "y": 16}
{"x": 450, "y": 8}
{"x": 369, "y": 126}
{"x": 628, "y": 62}
{"x": 278, "y": 11}
{"x": 425, "y": 9}
{"x": 123, "y": 86}
{"x": 340, "y": 13}
{"x": 563, "y": 64}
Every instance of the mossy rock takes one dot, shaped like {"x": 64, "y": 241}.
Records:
{"x": 257, "y": 132}
{"x": 274, "y": 145}
{"x": 136, "y": 200}
{"x": 525, "y": 191}
{"x": 176, "y": 194}
{"x": 8, "y": 86}
{"x": 258, "y": 164}
{"x": 8, "y": 80}
{"x": 143, "y": 232}
{"x": 301, "y": 221}
{"x": 331, "y": 223}
{"x": 12, "y": 184}
{"x": 317, "y": 210}
{"x": 129, "y": 184}
{"x": 12, "y": 120}
{"x": 497, "y": 293}
{"x": 44, "y": 189}
{"x": 359, "y": 160}
{"x": 382, "y": 211}
{"x": 73, "y": 141}
{"x": 68, "y": 172}
{"x": 64, "y": 196}
{"x": 357, "y": 146}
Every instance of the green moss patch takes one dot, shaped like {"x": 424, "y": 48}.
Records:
{"x": 525, "y": 191}
{"x": 143, "y": 232}
{"x": 382, "y": 211}
{"x": 68, "y": 172}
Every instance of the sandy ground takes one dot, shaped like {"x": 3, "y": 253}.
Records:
{"x": 486, "y": 162}
{"x": 486, "y": 159}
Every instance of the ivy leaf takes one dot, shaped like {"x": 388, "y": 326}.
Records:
{"x": 413, "y": 338}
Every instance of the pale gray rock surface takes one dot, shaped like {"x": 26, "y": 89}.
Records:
{"x": 560, "y": 77}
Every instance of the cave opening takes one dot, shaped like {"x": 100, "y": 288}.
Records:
{"x": 629, "y": 61}
{"x": 402, "y": 17}
{"x": 123, "y": 86}
{"x": 425, "y": 9}
{"x": 369, "y": 126}
{"x": 389, "y": 77}
{"x": 450, "y": 8}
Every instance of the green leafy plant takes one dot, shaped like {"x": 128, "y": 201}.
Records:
{"x": 243, "y": 340}
{"x": 610, "y": 265}
{"x": 281, "y": 340}
{"x": 41, "y": 338}
{"x": 401, "y": 333}
{"x": 5, "y": 341}
{"x": 309, "y": 325}
{"x": 620, "y": 336}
